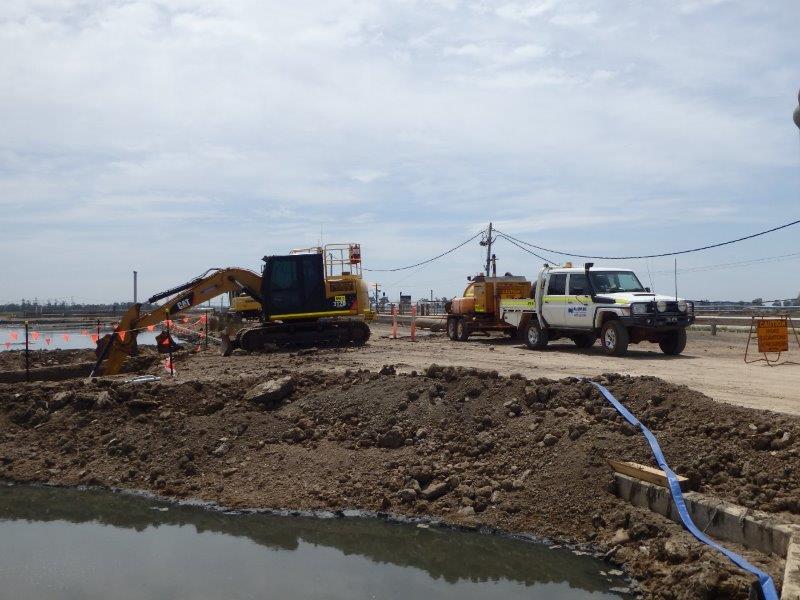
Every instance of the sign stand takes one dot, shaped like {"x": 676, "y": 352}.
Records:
{"x": 772, "y": 334}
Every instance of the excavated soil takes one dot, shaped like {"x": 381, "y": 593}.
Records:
{"x": 59, "y": 365}
{"x": 14, "y": 360}
{"x": 470, "y": 447}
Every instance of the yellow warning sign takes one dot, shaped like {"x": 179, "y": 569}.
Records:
{"x": 773, "y": 335}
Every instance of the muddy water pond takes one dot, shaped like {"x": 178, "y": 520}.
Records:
{"x": 13, "y": 338}
{"x": 62, "y": 543}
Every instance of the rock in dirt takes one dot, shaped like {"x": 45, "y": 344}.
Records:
{"x": 294, "y": 435}
{"x": 393, "y": 438}
{"x": 271, "y": 392}
{"x": 407, "y": 495}
{"x": 222, "y": 449}
{"x": 61, "y": 399}
{"x": 103, "y": 400}
{"x": 466, "y": 511}
{"x": 435, "y": 490}
{"x": 674, "y": 552}
{"x": 142, "y": 406}
{"x": 781, "y": 442}
{"x": 620, "y": 537}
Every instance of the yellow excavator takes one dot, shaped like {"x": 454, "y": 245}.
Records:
{"x": 310, "y": 296}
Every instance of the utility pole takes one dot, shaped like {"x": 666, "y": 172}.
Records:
{"x": 376, "y": 297}
{"x": 487, "y": 241}
{"x": 134, "y": 287}
{"x": 676, "y": 280}
{"x": 797, "y": 112}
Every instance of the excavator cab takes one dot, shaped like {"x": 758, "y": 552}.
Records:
{"x": 293, "y": 285}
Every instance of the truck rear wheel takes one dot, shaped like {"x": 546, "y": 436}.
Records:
{"x": 615, "y": 338}
{"x": 534, "y": 336}
{"x": 673, "y": 343}
{"x": 462, "y": 330}
{"x": 452, "y": 324}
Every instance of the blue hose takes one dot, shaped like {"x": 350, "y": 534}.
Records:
{"x": 768, "y": 590}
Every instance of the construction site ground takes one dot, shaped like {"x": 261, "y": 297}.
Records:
{"x": 495, "y": 436}
{"x": 713, "y": 365}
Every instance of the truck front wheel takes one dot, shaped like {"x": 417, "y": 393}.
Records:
{"x": 673, "y": 343}
{"x": 615, "y": 338}
{"x": 534, "y": 336}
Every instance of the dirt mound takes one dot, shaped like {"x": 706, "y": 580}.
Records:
{"x": 60, "y": 365}
{"x": 468, "y": 446}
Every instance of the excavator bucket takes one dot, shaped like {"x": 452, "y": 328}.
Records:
{"x": 113, "y": 349}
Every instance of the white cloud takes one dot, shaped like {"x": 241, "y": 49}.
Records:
{"x": 250, "y": 116}
{"x": 575, "y": 19}
{"x": 366, "y": 175}
{"x": 524, "y": 11}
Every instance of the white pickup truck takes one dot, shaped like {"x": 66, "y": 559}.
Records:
{"x": 583, "y": 304}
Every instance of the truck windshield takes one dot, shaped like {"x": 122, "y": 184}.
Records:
{"x": 609, "y": 282}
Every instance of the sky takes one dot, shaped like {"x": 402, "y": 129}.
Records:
{"x": 178, "y": 135}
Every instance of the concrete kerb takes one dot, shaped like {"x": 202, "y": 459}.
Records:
{"x": 725, "y": 521}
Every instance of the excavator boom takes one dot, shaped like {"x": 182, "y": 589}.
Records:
{"x": 116, "y": 348}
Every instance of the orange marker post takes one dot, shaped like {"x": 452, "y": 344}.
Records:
{"x": 394, "y": 322}
{"x": 169, "y": 337}
{"x": 27, "y": 355}
{"x": 413, "y": 322}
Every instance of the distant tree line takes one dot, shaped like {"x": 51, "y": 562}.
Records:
{"x": 62, "y": 307}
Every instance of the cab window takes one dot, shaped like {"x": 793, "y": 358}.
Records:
{"x": 577, "y": 284}
{"x": 557, "y": 284}
{"x": 284, "y": 275}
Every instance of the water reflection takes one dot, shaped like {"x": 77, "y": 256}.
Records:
{"x": 305, "y": 557}
{"x": 54, "y": 339}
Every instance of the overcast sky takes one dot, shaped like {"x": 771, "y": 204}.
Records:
{"x": 172, "y": 136}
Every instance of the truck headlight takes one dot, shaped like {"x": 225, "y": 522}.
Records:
{"x": 661, "y": 305}
{"x": 682, "y": 305}
{"x": 639, "y": 308}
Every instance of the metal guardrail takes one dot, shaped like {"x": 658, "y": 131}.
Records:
{"x": 425, "y": 308}
{"x": 721, "y": 308}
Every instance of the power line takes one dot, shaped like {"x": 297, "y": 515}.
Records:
{"x": 510, "y": 240}
{"x": 708, "y": 247}
{"x": 732, "y": 265}
{"x": 425, "y": 262}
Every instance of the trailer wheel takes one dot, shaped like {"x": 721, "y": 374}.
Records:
{"x": 615, "y": 338}
{"x": 673, "y": 343}
{"x": 452, "y": 324}
{"x": 462, "y": 330}
{"x": 535, "y": 337}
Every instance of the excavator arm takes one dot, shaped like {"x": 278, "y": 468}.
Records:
{"x": 115, "y": 348}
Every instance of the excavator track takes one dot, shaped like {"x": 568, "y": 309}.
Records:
{"x": 339, "y": 332}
